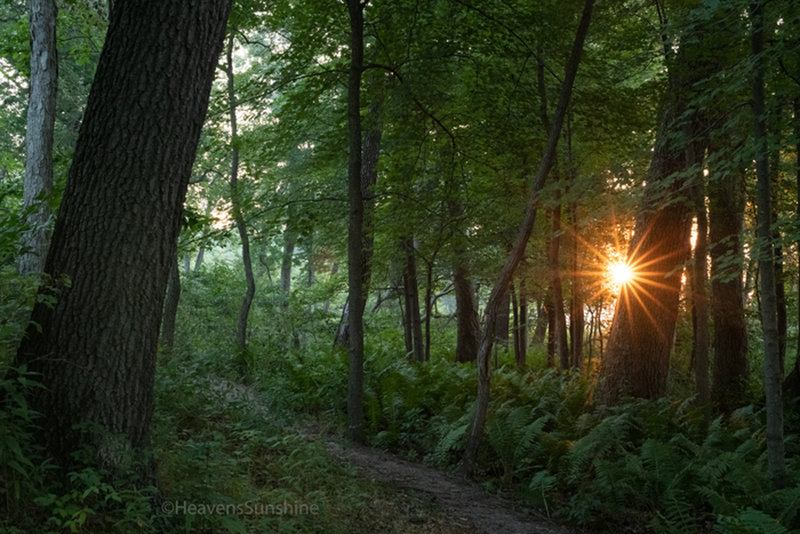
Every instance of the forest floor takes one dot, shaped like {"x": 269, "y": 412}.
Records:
{"x": 463, "y": 502}
{"x": 431, "y": 501}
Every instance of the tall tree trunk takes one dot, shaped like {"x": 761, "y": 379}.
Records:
{"x": 236, "y": 206}
{"x": 730, "y": 369}
{"x": 355, "y": 238}
{"x": 198, "y": 262}
{"x": 370, "y": 154}
{"x": 541, "y": 323}
{"x": 699, "y": 279}
{"x": 289, "y": 242}
{"x": 412, "y": 301}
{"x": 428, "y": 309}
{"x": 636, "y": 362}
{"x": 39, "y": 134}
{"x": 518, "y": 249}
{"x": 769, "y": 306}
{"x": 171, "y": 305}
{"x": 557, "y": 293}
{"x": 520, "y": 324}
{"x": 777, "y": 256}
{"x": 116, "y": 233}
{"x": 468, "y": 326}
{"x": 792, "y": 382}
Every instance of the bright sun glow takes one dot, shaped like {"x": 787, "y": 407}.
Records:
{"x": 620, "y": 273}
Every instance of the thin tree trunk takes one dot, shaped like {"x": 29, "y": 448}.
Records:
{"x": 355, "y": 238}
{"x": 198, "y": 262}
{"x": 39, "y": 135}
{"x": 171, "y": 305}
{"x": 557, "y": 293}
{"x": 289, "y": 242}
{"x": 792, "y": 382}
{"x": 412, "y": 301}
{"x": 370, "y": 154}
{"x": 769, "y": 306}
{"x": 518, "y": 249}
{"x": 428, "y": 308}
{"x": 541, "y": 324}
{"x": 116, "y": 232}
{"x": 236, "y": 206}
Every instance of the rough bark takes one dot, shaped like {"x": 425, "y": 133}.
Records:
{"x": 171, "y": 302}
{"x": 699, "y": 282}
{"x": 518, "y": 250}
{"x": 116, "y": 233}
{"x": 355, "y": 237}
{"x": 636, "y": 362}
{"x": 468, "y": 326}
{"x": 236, "y": 205}
{"x": 769, "y": 307}
{"x": 39, "y": 135}
{"x": 730, "y": 369}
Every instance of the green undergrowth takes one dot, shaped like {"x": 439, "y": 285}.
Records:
{"x": 644, "y": 466}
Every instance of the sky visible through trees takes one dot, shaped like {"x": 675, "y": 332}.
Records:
{"x": 551, "y": 246}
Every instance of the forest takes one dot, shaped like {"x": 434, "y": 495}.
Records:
{"x": 440, "y": 266}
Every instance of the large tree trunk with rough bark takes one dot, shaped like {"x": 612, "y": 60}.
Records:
{"x": 468, "y": 326}
{"x": 506, "y": 273}
{"x": 726, "y": 194}
{"x": 39, "y": 134}
{"x": 116, "y": 233}
{"x": 636, "y": 362}
{"x": 699, "y": 281}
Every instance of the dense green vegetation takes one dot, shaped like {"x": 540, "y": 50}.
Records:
{"x": 667, "y": 403}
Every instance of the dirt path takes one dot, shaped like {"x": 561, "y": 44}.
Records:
{"x": 465, "y": 502}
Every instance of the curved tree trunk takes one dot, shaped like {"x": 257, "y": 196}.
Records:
{"x": 518, "y": 249}
{"x": 39, "y": 134}
{"x": 117, "y": 229}
{"x": 236, "y": 206}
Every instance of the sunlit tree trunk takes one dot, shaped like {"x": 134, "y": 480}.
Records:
{"x": 699, "y": 281}
{"x": 39, "y": 134}
{"x": 769, "y": 307}
{"x": 636, "y": 360}
{"x": 117, "y": 228}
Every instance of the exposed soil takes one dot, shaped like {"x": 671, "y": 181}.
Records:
{"x": 464, "y": 502}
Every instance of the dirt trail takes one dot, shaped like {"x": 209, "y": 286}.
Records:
{"x": 465, "y": 502}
